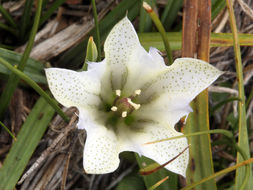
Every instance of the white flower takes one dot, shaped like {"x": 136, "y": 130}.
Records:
{"x": 131, "y": 98}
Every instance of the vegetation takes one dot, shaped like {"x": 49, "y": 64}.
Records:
{"x": 40, "y": 146}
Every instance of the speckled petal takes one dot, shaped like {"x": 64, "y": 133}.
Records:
{"x": 89, "y": 117}
{"x": 100, "y": 151}
{"x": 181, "y": 82}
{"x": 119, "y": 44}
{"x": 163, "y": 151}
{"x": 72, "y": 88}
{"x": 168, "y": 96}
{"x": 97, "y": 68}
{"x": 159, "y": 110}
{"x": 142, "y": 67}
{"x": 158, "y": 61}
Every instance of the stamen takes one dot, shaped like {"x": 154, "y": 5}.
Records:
{"x": 124, "y": 114}
{"x": 137, "y": 92}
{"x": 118, "y": 92}
{"x": 136, "y": 106}
{"x": 114, "y": 108}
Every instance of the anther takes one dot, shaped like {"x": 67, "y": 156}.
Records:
{"x": 114, "y": 108}
{"x": 118, "y": 92}
{"x": 124, "y": 114}
{"x": 136, "y": 106}
{"x": 137, "y": 92}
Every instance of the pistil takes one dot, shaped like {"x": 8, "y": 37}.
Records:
{"x": 123, "y": 106}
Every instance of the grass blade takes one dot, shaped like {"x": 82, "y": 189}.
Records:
{"x": 166, "y": 12}
{"x": 158, "y": 183}
{"x": 8, "y": 131}
{"x": 13, "y": 79}
{"x": 222, "y": 172}
{"x": 34, "y": 69}
{"x": 7, "y": 17}
{"x": 153, "y": 178}
{"x": 9, "y": 29}
{"x": 154, "y": 39}
{"x": 217, "y": 7}
{"x": 50, "y": 11}
{"x": 168, "y": 18}
{"x": 243, "y": 140}
{"x": 36, "y": 87}
{"x": 25, "y": 19}
{"x": 29, "y": 135}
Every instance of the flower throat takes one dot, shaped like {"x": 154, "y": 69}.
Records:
{"x": 123, "y": 106}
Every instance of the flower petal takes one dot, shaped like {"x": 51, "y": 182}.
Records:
{"x": 182, "y": 81}
{"x": 167, "y": 98}
{"x": 158, "y": 60}
{"x": 161, "y": 152}
{"x": 100, "y": 151}
{"x": 72, "y": 88}
{"x": 88, "y": 118}
{"x": 97, "y": 68}
{"x": 142, "y": 67}
{"x": 125, "y": 58}
{"x": 118, "y": 46}
{"x": 160, "y": 110}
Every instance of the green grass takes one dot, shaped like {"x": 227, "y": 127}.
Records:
{"x": 19, "y": 71}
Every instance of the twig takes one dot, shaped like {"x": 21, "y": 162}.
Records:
{"x": 65, "y": 172}
{"x": 220, "y": 89}
{"x": 245, "y": 7}
{"x": 46, "y": 152}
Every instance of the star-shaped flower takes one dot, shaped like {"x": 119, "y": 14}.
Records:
{"x": 131, "y": 98}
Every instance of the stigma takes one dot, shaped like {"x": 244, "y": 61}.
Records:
{"x": 124, "y": 106}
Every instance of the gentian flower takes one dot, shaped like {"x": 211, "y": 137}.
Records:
{"x": 129, "y": 99}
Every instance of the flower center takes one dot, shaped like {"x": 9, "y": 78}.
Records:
{"x": 124, "y": 106}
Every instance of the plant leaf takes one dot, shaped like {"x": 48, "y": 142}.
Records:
{"x": 34, "y": 69}
{"x": 27, "y": 140}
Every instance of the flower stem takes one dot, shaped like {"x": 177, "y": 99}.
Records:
{"x": 217, "y": 106}
{"x": 97, "y": 39}
{"x": 13, "y": 79}
{"x": 36, "y": 87}
{"x": 8, "y": 131}
{"x": 161, "y": 29}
